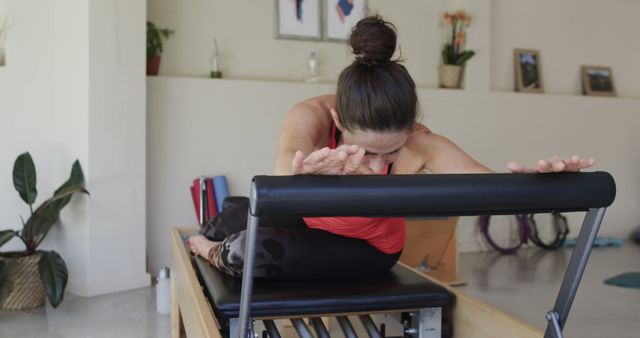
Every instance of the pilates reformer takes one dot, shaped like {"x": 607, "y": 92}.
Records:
{"x": 237, "y": 303}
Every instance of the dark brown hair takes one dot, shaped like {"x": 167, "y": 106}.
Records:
{"x": 375, "y": 92}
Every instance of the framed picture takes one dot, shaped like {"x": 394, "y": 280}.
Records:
{"x": 340, "y": 17}
{"x": 597, "y": 80}
{"x": 299, "y": 19}
{"x": 528, "y": 71}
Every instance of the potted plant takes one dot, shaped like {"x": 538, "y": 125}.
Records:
{"x": 454, "y": 56}
{"x": 154, "y": 46}
{"x": 5, "y": 24}
{"x": 26, "y": 276}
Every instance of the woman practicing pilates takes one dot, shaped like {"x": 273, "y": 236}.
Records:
{"x": 367, "y": 128}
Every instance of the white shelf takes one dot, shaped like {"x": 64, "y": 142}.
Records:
{"x": 506, "y": 95}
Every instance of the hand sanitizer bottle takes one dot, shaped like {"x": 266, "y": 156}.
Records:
{"x": 313, "y": 76}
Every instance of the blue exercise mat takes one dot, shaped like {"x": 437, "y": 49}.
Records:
{"x": 599, "y": 241}
{"x": 221, "y": 190}
{"x": 625, "y": 280}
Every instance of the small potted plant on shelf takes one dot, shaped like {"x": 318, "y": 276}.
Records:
{"x": 27, "y": 276}
{"x": 5, "y": 24}
{"x": 154, "y": 46}
{"x": 454, "y": 55}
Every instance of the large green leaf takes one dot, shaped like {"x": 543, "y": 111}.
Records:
{"x": 76, "y": 178}
{"x": 464, "y": 57}
{"x": 5, "y": 265}
{"x": 43, "y": 218}
{"x": 41, "y": 221}
{"x": 54, "y": 275}
{"x": 24, "y": 178}
{"x": 6, "y": 235}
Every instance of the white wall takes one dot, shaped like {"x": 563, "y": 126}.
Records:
{"x": 230, "y": 127}
{"x": 74, "y": 88}
{"x": 203, "y": 127}
{"x": 567, "y": 33}
{"x": 70, "y": 87}
{"x": 246, "y": 35}
{"x": 26, "y": 121}
{"x": 198, "y": 127}
{"x": 117, "y": 145}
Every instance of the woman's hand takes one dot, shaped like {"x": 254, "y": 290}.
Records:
{"x": 553, "y": 165}
{"x": 344, "y": 160}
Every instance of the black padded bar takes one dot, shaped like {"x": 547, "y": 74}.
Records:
{"x": 430, "y": 195}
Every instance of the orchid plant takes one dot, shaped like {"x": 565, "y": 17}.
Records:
{"x": 453, "y": 52}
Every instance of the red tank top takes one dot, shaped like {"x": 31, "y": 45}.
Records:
{"x": 384, "y": 234}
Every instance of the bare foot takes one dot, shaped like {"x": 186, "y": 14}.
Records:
{"x": 201, "y": 245}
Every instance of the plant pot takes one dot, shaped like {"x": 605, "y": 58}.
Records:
{"x": 450, "y": 76}
{"x": 23, "y": 289}
{"x": 153, "y": 65}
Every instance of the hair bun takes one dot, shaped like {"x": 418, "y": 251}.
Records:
{"x": 373, "y": 40}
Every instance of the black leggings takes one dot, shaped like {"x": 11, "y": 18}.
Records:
{"x": 291, "y": 250}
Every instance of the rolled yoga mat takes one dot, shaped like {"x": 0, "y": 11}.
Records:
{"x": 221, "y": 189}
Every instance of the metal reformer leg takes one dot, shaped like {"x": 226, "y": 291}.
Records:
{"x": 346, "y": 326}
{"x": 370, "y": 326}
{"x": 247, "y": 278}
{"x": 271, "y": 328}
{"x": 572, "y": 276}
{"x": 318, "y": 326}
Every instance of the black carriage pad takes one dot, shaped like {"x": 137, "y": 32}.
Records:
{"x": 399, "y": 289}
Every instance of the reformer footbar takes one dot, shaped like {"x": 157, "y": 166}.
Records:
{"x": 435, "y": 195}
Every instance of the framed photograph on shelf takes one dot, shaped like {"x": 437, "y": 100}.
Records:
{"x": 299, "y": 19}
{"x": 597, "y": 80}
{"x": 340, "y": 16}
{"x": 528, "y": 71}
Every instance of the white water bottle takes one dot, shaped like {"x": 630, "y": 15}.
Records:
{"x": 313, "y": 75}
{"x": 163, "y": 291}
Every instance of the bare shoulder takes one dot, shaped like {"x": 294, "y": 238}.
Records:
{"x": 315, "y": 109}
{"x": 439, "y": 154}
{"x": 305, "y": 128}
{"x": 421, "y": 136}
{"x": 423, "y": 143}
{"x": 310, "y": 119}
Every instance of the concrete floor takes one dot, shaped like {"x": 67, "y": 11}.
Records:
{"x": 122, "y": 315}
{"x": 524, "y": 285}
